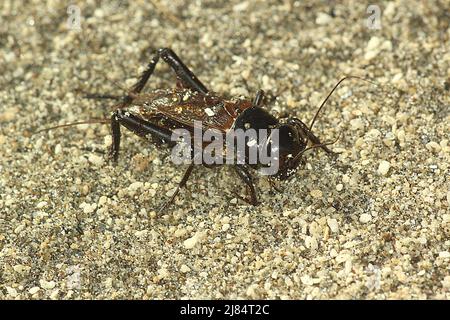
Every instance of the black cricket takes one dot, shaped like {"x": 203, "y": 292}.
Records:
{"x": 156, "y": 114}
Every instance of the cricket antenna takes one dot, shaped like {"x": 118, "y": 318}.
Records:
{"x": 89, "y": 121}
{"x": 320, "y": 145}
{"x": 127, "y": 92}
{"x": 331, "y": 92}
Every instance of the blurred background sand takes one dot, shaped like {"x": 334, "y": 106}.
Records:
{"x": 373, "y": 223}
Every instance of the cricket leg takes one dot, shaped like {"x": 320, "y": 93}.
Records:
{"x": 257, "y": 101}
{"x": 182, "y": 184}
{"x": 186, "y": 76}
{"x": 246, "y": 177}
{"x": 139, "y": 127}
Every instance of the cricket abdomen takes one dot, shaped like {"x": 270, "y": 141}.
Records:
{"x": 185, "y": 106}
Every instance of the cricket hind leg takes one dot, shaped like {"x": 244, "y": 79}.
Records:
{"x": 187, "y": 78}
{"x": 144, "y": 128}
{"x": 139, "y": 127}
{"x": 184, "y": 74}
{"x": 115, "y": 134}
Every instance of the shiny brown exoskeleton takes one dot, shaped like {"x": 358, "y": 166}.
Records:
{"x": 157, "y": 114}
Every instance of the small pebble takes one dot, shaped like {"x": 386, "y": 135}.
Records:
{"x": 58, "y": 149}
{"x": 242, "y": 6}
{"x": 373, "y": 48}
{"x": 48, "y": 285}
{"x": 107, "y": 141}
{"x": 34, "y": 290}
{"x": 163, "y": 273}
{"x": 311, "y": 243}
{"x": 433, "y": 146}
{"x": 316, "y": 194}
{"x": 95, "y": 159}
{"x": 41, "y": 204}
{"x": 333, "y": 224}
{"x": 365, "y": 218}
{"x": 323, "y": 18}
{"x": 11, "y": 291}
{"x": 446, "y": 282}
{"x": 191, "y": 242}
{"x": 9, "y": 114}
{"x": 135, "y": 186}
{"x": 356, "y": 124}
{"x": 383, "y": 167}
{"x": 184, "y": 268}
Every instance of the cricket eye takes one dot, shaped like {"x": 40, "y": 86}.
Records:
{"x": 288, "y": 139}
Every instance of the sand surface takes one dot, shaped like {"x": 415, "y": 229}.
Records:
{"x": 372, "y": 223}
